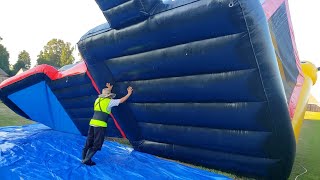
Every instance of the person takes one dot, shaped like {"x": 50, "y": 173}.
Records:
{"x": 98, "y": 123}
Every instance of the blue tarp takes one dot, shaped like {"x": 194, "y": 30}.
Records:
{"x": 38, "y": 152}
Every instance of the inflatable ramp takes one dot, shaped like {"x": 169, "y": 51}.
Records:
{"x": 216, "y": 83}
{"x": 38, "y": 152}
{"x": 61, "y": 99}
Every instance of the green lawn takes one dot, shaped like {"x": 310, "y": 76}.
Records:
{"x": 308, "y": 149}
{"x": 9, "y": 118}
{"x": 308, "y": 152}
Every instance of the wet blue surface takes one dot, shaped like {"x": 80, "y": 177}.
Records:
{"x": 38, "y": 152}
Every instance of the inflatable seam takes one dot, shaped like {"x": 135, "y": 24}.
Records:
{"x": 193, "y": 75}
{"x": 227, "y": 154}
{"x": 202, "y": 127}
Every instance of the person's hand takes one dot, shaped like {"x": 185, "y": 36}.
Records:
{"x": 124, "y": 98}
{"x": 129, "y": 89}
{"x": 109, "y": 86}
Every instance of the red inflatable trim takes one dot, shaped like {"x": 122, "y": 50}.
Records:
{"x": 93, "y": 82}
{"x": 300, "y": 79}
{"x": 270, "y": 6}
{"x": 113, "y": 118}
{"x": 50, "y": 71}
{"x": 54, "y": 74}
{"x": 118, "y": 126}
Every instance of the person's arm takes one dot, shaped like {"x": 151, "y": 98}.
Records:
{"x": 124, "y": 98}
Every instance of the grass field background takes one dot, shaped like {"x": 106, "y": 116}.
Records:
{"x": 9, "y": 118}
{"x": 307, "y": 155}
{"x": 308, "y": 152}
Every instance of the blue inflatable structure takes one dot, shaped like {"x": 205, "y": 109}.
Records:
{"x": 61, "y": 99}
{"x": 215, "y": 82}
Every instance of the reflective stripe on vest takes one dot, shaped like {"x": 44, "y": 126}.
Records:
{"x": 101, "y": 114}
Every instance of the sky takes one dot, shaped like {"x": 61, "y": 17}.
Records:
{"x": 29, "y": 25}
{"x": 306, "y": 26}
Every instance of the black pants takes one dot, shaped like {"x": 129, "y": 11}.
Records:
{"x": 94, "y": 141}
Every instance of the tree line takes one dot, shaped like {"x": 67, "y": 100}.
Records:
{"x": 56, "y": 53}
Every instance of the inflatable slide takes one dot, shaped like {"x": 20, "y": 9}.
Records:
{"x": 217, "y": 83}
{"x": 61, "y": 99}
{"x": 313, "y": 109}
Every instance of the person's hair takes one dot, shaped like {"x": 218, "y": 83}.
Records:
{"x": 105, "y": 90}
{"x": 107, "y": 94}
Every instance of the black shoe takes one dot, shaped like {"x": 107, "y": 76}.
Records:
{"x": 89, "y": 163}
{"x": 89, "y": 155}
{"x": 92, "y": 163}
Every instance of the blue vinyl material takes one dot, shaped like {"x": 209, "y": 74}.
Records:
{"x": 122, "y": 13}
{"x": 6, "y": 91}
{"x": 75, "y": 95}
{"x": 207, "y": 86}
{"x": 45, "y": 107}
{"x": 38, "y": 152}
{"x": 281, "y": 31}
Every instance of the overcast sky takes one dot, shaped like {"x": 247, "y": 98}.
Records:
{"x": 30, "y": 24}
{"x": 305, "y": 19}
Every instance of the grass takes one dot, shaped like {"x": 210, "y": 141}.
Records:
{"x": 9, "y": 118}
{"x": 308, "y": 149}
{"x": 233, "y": 176}
{"x": 308, "y": 152}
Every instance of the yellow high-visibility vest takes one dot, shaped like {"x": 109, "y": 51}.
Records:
{"x": 101, "y": 114}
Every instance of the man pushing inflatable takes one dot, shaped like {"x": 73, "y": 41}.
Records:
{"x": 98, "y": 123}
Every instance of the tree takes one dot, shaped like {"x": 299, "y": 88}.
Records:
{"x": 56, "y": 53}
{"x": 25, "y": 58}
{"x": 24, "y": 61}
{"x": 4, "y": 59}
{"x": 17, "y": 66}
